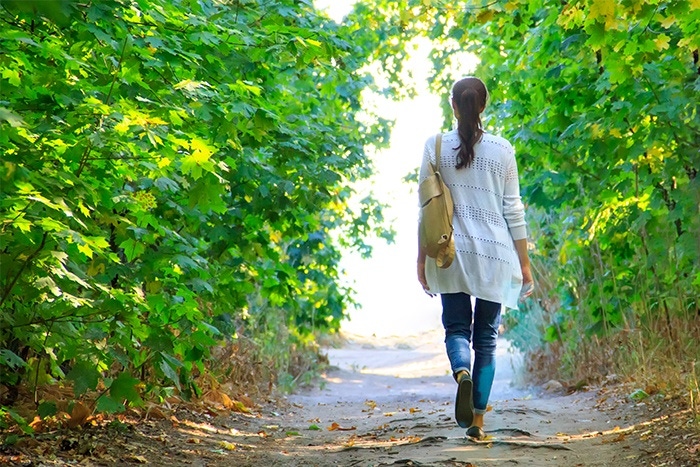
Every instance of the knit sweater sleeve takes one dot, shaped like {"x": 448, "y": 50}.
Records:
{"x": 513, "y": 209}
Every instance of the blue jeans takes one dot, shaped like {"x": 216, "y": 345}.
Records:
{"x": 457, "y": 320}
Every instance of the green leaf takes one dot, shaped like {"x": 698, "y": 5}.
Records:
{"x": 85, "y": 377}
{"x": 21, "y": 422}
{"x": 11, "y": 360}
{"x": 638, "y": 395}
{"x": 47, "y": 409}
{"x": 12, "y": 76}
{"x": 194, "y": 354}
{"x": 11, "y": 440}
{"x": 159, "y": 340}
{"x": 132, "y": 248}
{"x": 551, "y": 334}
{"x": 124, "y": 388}
{"x": 212, "y": 329}
{"x": 169, "y": 372}
{"x": 107, "y": 404}
{"x": 22, "y": 224}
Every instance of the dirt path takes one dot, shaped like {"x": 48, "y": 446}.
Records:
{"x": 390, "y": 402}
{"x": 384, "y": 402}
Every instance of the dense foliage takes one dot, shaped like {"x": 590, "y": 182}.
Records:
{"x": 176, "y": 172}
{"x": 171, "y": 172}
{"x": 600, "y": 98}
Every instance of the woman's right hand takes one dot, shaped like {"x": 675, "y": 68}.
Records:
{"x": 528, "y": 282}
{"x": 422, "y": 278}
{"x": 524, "y": 258}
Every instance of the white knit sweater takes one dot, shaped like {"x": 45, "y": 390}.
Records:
{"x": 488, "y": 216}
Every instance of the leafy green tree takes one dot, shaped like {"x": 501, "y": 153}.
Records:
{"x": 171, "y": 171}
{"x": 600, "y": 99}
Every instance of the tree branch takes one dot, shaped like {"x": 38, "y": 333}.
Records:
{"x": 21, "y": 269}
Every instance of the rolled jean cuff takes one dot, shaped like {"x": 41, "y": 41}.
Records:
{"x": 480, "y": 411}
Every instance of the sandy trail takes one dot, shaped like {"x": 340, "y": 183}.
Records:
{"x": 389, "y": 401}
{"x": 385, "y": 402}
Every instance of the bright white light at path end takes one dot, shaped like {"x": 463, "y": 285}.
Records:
{"x": 336, "y": 9}
{"x": 392, "y": 302}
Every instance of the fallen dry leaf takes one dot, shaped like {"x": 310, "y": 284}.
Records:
{"x": 247, "y": 401}
{"x": 228, "y": 446}
{"x": 239, "y": 406}
{"x": 220, "y": 398}
{"x": 78, "y": 415}
{"x": 336, "y": 427}
{"x": 414, "y": 410}
{"x": 155, "y": 412}
{"x": 616, "y": 439}
{"x": 37, "y": 424}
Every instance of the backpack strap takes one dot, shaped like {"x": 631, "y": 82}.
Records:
{"x": 438, "y": 148}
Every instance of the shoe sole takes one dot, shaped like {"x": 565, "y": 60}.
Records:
{"x": 464, "y": 405}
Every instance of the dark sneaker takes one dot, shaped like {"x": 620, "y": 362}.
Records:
{"x": 464, "y": 403}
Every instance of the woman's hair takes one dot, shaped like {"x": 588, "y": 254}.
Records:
{"x": 469, "y": 95}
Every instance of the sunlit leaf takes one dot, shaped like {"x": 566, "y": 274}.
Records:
{"x": 10, "y": 117}
{"x": 132, "y": 248}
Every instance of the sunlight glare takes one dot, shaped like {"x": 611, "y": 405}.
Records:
{"x": 392, "y": 302}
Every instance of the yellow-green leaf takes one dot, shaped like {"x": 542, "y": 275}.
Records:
{"x": 662, "y": 42}
{"x": 668, "y": 22}
{"x": 22, "y": 224}
{"x": 201, "y": 151}
{"x": 12, "y": 76}
{"x": 85, "y": 249}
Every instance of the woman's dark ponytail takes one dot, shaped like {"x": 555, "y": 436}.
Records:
{"x": 469, "y": 96}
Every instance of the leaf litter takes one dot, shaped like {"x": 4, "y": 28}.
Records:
{"x": 654, "y": 432}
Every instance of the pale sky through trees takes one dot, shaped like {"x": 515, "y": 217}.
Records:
{"x": 393, "y": 302}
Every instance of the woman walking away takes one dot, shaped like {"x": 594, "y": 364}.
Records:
{"x": 491, "y": 261}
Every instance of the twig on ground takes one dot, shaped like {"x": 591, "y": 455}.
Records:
{"x": 523, "y": 411}
{"x": 521, "y": 444}
{"x": 516, "y": 431}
